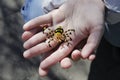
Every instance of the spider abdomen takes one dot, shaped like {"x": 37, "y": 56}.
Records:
{"x": 58, "y": 37}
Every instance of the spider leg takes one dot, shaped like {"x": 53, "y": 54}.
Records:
{"x": 70, "y": 30}
{"x": 69, "y": 44}
{"x": 50, "y": 32}
{"x": 67, "y": 39}
{"x": 67, "y": 36}
{"x": 51, "y": 39}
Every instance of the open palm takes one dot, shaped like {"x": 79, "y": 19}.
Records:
{"x": 85, "y": 17}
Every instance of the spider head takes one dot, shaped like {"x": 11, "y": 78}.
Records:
{"x": 59, "y": 30}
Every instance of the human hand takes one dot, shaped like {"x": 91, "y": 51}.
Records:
{"x": 86, "y": 17}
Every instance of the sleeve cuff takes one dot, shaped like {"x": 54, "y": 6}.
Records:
{"x": 113, "y": 5}
{"x": 49, "y": 5}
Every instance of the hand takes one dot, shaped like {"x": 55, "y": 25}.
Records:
{"x": 86, "y": 17}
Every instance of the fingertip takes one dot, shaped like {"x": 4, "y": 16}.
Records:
{"x": 84, "y": 56}
{"x": 76, "y": 55}
{"x": 91, "y": 57}
{"x": 66, "y": 63}
{"x": 26, "y": 45}
{"x": 43, "y": 72}
{"x": 25, "y": 36}
{"x": 29, "y": 25}
{"x": 26, "y": 26}
{"x": 26, "y": 54}
{"x": 87, "y": 50}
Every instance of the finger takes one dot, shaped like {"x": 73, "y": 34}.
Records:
{"x": 45, "y": 55}
{"x": 28, "y": 34}
{"x": 55, "y": 57}
{"x": 37, "y": 38}
{"x": 44, "y": 19}
{"x": 91, "y": 57}
{"x": 39, "y": 49}
{"x": 92, "y": 43}
{"x": 66, "y": 63}
{"x": 76, "y": 55}
{"x": 43, "y": 72}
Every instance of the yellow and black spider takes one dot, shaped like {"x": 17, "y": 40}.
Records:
{"x": 59, "y": 35}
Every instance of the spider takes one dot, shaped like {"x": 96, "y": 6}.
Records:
{"x": 59, "y": 35}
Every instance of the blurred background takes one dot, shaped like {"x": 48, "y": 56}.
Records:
{"x": 12, "y": 64}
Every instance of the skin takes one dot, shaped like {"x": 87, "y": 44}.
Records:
{"x": 85, "y": 16}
